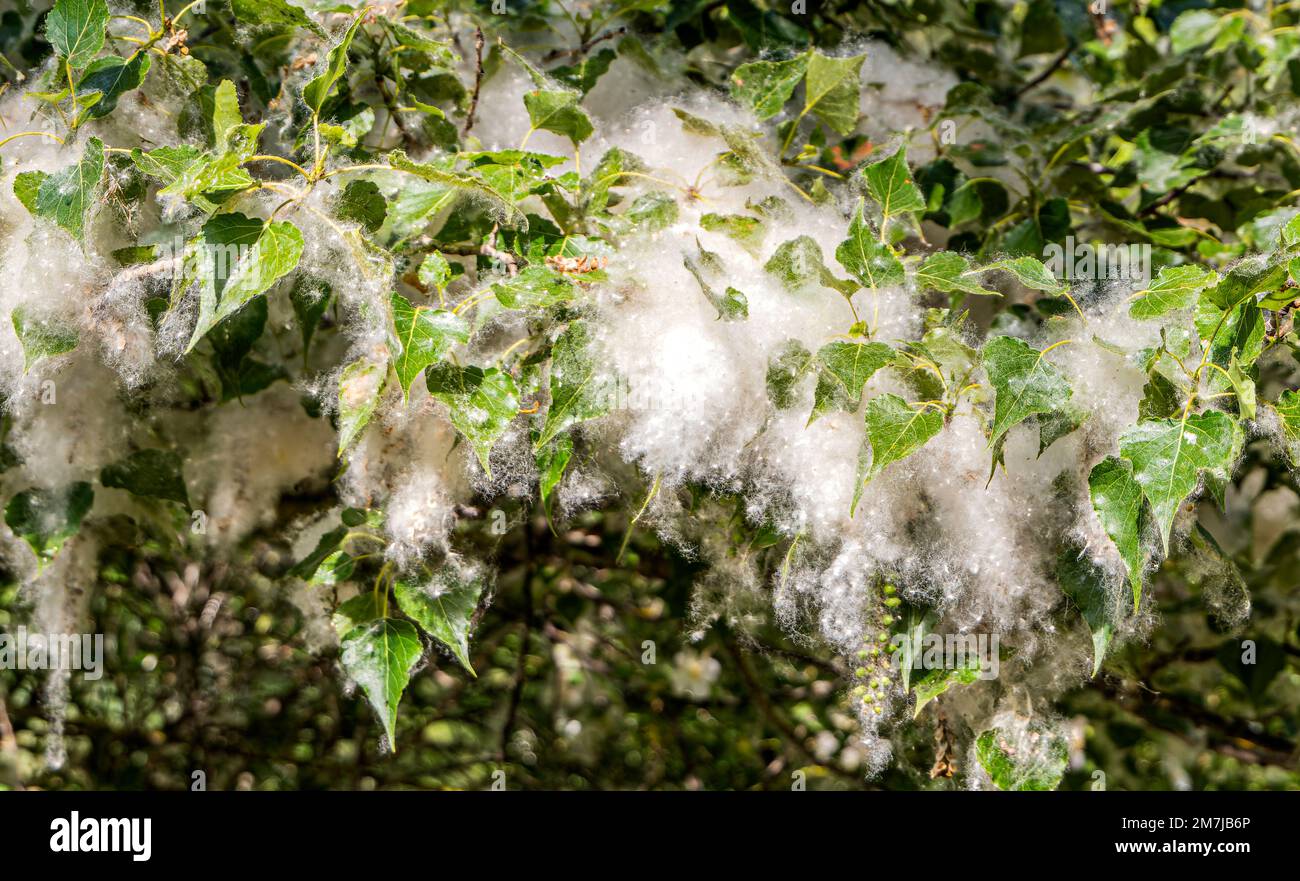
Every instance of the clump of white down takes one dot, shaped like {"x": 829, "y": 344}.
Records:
{"x": 696, "y": 407}
{"x": 697, "y": 410}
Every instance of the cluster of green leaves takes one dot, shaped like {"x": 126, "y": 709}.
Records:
{"x": 1167, "y": 156}
{"x": 380, "y": 649}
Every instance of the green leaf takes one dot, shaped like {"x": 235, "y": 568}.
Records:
{"x": 559, "y": 112}
{"x": 1288, "y": 414}
{"x": 65, "y": 196}
{"x": 111, "y": 77}
{"x": 208, "y": 181}
{"x": 46, "y": 518}
{"x": 221, "y": 110}
{"x": 1024, "y": 383}
{"x": 41, "y": 339}
{"x": 235, "y": 259}
{"x": 1192, "y": 29}
{"x": 444, "y": 608}
{"x": 360, "y": 386}
{"x": 1238, "y": 333}
{"x": 26, "y": 185}
{"x": 1041, "y": 31}
{"x": 361, "y": 202}
{"x": 842, "y": 370}
{"x": 482, "y": 403}
{"x": 1030, "y": 272}
{"x": 232, "y": 340}
{"x": 1175, "y": 287}
{"x": 273, "y": 12}
{"x": 316, "y": 91}
{"x": 613, "y": 170}
{"x": 748, "y": 155}
{"x": 831, "y": 90}
{"x": 552, "y": 461}
{"x": 310, "y": 298}
{"x": 784, "y": 370}
{"x": 466, "y": 183}
{"x": 649, "y": 212}
{"x": 765, "y": 86}
{"x": 435, "y": 271}
{"x": 75, "y": 28}
{"x": 326, "y": 546}
{"x": 1161, "y": 398}
{"x": 167, "y": 164}
{"x": 1243, "y": 386}
{"x": 379, "y": 656}
{"x": 536, "y": 287}
{"x": 1034, "y": 763}
{"x": 896, "y": 430}
{"x": 1168, "y": 456}
{"x": 1275, "y": 301}
{"x": 579, "y": 390}
{"x": 706, "y": 266}
{"x": 889, "y": 182}
{"x": 949, "y": 273}
{"x": 514, "y": 173}
{"x": 797, "y": 263}
{"x": 1054, "y": 426}
{"x": 933, "y": 683}
{"x": 965, "y": 204}
{"x": 914, "y": 626}
{"x": 1085, "y": 584}
{"x": 426, "y": 335}
{"x": 1260, "y": 670}
{"x": 351, "y": 614}
{"x": 746, "y": 231}
{"x": 584, "y": 75}
{"x": 153, "y": 473}
{"x": 868, "y": 260}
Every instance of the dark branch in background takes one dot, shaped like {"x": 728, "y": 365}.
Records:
{"x": 1231, "y": 737}
{"x": 517, "y": 692}
{"x": 1047, "y": 72}
{"x": 1167, "y": 198}
{"x": 478, "y": 77}
{"x": 586, "y": 46}
{"x": 769, "y": 712}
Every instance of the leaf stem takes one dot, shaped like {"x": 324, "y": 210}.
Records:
{"x": 1054, "y": 345}
{"x": 627, "y": 537}
{"x": 31, "y": 134}
{"x": 280, "y": 159}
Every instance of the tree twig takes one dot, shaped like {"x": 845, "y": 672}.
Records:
{"x": 586, "y": 46}
{"x": 478, "y": 77}
{"x": 489, "y": 249}
{"x": 1050, "y": 69}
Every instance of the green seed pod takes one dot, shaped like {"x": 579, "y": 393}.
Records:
{"x": 893, "y": 603}
{"x": 890, "y": 590}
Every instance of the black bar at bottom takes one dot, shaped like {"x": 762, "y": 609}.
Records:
{"x": 624, "y": 831}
